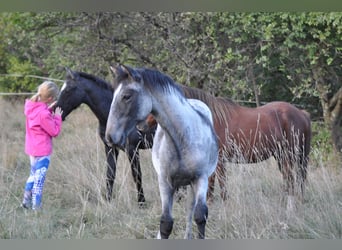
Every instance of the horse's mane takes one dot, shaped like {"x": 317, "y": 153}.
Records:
{"x": 155, "y": 80}
{"x": 221, "y": 107}
{"x": 101, "y": 83}
{"x": 165, "y": 82}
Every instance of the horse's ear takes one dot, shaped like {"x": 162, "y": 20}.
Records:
{"x": 116, "y": 71}
{"x": 132, "y": 73}
{"x": 69, "y": 73}
{"x": 127, "y": 70}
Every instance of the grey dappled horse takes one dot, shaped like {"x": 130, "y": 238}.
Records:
{"x": 185, "y": 146}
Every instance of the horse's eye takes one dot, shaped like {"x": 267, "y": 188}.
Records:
{"x": 68, "y": 89}
{"x": 126, "y": 97}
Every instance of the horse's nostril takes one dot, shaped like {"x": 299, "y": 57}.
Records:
{"x": 109, "y": 140}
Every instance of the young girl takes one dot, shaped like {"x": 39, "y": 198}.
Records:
{"x": 41, "y": 125}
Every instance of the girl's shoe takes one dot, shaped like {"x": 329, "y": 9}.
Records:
{"x": 25, "y": 205}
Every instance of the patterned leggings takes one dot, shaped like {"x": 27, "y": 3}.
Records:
{"x": 35, "y": 183}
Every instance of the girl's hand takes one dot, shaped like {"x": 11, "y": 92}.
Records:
{"x": 58, "y": 111}
{"x": 35, "y": 97}
{"x": 52, "y": 105}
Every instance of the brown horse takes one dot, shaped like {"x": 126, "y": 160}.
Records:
{"x": 250, "y": 135}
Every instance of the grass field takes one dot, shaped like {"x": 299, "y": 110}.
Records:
{"x": 74, "y": 207}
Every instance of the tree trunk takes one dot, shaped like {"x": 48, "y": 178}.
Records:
{"x": 332, "y": 110}
{"x": 251, "y": 77}
{"x": 335, "y": 109}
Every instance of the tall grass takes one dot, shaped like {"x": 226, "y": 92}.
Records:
{"x": 74, "y": 207}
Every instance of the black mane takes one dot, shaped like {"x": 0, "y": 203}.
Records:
{"x": 218, "y": 105}
{"x": 153, "y": 80}
{"x": 101, "y": 83}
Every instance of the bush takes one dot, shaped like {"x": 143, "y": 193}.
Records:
{"x": 321, "y": 141}
{"x": 19, "y": 77}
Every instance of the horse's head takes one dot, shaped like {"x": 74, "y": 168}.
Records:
{"x": 131, "y": 104}
{"x": 71, "y": 95}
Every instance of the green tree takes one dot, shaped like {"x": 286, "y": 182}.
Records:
{"x": 21, "y": 53}
{"x": 255, "y": 57}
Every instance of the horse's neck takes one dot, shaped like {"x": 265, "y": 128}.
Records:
{"x": 99, "y": 101}
{"x": 170, "y": 115}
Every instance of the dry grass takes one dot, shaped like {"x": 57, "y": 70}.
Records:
{"x": 73, "y": 196}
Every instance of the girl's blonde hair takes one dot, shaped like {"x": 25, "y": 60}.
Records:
{"x": 46, "y": 90}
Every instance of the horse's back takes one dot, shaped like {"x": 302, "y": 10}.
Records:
{"x": 278, "y": 114}
{"x": 290, "y": 115}
{"x": 255, "y": 133}
{"x": 201, "y": 107}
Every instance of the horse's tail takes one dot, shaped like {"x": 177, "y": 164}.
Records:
{"x": 308, "y": 132}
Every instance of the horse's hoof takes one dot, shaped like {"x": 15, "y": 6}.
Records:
{"x": 142, "y": 204}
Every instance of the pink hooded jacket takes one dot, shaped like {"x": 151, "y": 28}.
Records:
{"x": 41, "y": 126}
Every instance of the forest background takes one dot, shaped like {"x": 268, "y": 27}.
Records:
{"x": 252, "y": 58}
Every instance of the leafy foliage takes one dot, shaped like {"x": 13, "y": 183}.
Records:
{"x": 321, "y": 140}
{"x": 254, "y": 57}
{"x": 19, "y": 70}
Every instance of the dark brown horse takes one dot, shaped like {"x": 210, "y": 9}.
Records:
{"x": 250, "y": 135}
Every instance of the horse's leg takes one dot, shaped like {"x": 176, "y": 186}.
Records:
{"x": 133, "y": 156}
{"x": 285, "y": 168}
{"x": 211, "y": 187}
{"x": 190, "y": 211}
{"x": 112, "y": 155}
{"x": 201, "y": 209}
{"x": 166, "y": 221}
{"x": 301, "y": 176}
{"x": 221, "y": 177}
{"x": 220, "y": 173}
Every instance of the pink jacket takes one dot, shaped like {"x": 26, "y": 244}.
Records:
{"x": 41, "y": 126}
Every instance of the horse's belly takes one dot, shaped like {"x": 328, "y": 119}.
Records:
{"x": 250, "y": 150}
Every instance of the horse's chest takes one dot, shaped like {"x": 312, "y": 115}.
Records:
{"x": 180, "y": 164}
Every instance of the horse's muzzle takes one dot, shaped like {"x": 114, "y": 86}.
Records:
{"x": 117, "y": 141}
